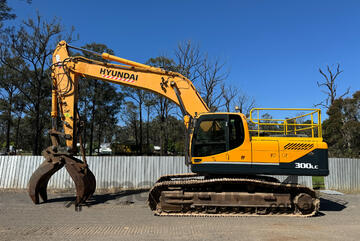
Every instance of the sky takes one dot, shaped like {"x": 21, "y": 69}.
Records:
{"x": 272, "y": 49}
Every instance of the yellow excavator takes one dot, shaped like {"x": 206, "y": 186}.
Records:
{"x": 230, "y": 163}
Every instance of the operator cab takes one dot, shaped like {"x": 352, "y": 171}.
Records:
{"x": 217, "y": 133}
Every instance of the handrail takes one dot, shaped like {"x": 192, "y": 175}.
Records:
{"x": 288, "y": 126}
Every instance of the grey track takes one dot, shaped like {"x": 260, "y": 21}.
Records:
{"x": 126, "y": 216}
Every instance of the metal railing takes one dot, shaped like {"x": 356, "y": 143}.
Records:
{"x": 306, "y": 125}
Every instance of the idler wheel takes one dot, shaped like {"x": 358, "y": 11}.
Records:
{"x": 304, "y": 203}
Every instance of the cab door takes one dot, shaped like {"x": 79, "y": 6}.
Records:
{"x": 210, "y": 140}
{"x": 239, "y": 143}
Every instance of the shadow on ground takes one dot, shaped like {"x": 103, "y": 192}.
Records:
{"x": 128, "y": 197}
{"x": 331, "y": 203}
{"x": 121, "y": 197}
{"x": 125, "y": 197}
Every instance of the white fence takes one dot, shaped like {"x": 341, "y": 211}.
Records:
{"x": 143, "y": 171}
{"x": 344, "y": 175}
{"x": 110, "y": 171}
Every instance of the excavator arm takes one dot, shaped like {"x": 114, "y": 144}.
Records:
{"x": 66, "y": 71}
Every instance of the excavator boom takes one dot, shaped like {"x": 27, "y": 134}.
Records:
{"x": 67, "y": 70}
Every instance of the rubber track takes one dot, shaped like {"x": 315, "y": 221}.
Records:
{"x": 165, "y": 181}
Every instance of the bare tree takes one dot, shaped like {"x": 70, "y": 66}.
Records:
{"x": 245, "y": 103}
{"x": 211, "y": 76}
{"x": 188, "y": 59}
{"x": 228, "y": 94}
{"x": 208, "y": 76}
{"x": 330, "y": 86}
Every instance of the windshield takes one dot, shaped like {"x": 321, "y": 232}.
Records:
{"x": 210, "y": 138}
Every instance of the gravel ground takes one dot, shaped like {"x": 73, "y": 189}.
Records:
{"x": 125, "y": 216}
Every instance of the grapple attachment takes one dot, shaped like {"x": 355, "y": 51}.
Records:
{"x": 79, "y": 171}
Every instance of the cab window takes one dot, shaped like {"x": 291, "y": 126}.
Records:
{"x": 210, "y": 138}
{"x": 236, "y": 131}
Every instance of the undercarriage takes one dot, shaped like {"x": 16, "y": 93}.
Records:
{"x": 197, "y": 195}
{"x": 191, "y": 194}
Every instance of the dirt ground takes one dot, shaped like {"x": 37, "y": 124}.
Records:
{"x": 125, "y": 216}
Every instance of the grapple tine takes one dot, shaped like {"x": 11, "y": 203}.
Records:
{"x": 91, "y": 184}
{"x": 40, "y": 178}
{"x": 83, "y": 178}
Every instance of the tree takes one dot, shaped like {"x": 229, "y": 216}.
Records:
{"x": 99, "y": 103}
{"x": 207, "y": 75}
{"x": 5, "y": 11}
{"x": 6, "y": 102}
{"x": 163, "y": 105}
{"x": 189, "y": 59}
{"x": 9, "y": 96}
{"x": 149, "y": 101}
{"x": 245, "y": 103}
{"x": 18, "y": 114}
{"x": 130, "y": 118}
{"x": 138, "y": 96}
{"x": 330, "y": 86}
{"x": 211, "y": 77}
{"x": 228, "y": 94}
{"x": 342, "y": 128}
{"x": 108, "y": 107}
{"x": 33, "y": 41}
